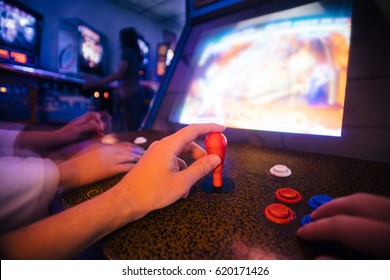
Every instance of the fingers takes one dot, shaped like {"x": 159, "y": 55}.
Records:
{"x": 80, "y": 127}
{"x": 361, "y": 204}
{"x": 200, "y": 168}
{"x": 99, "y": 119}
{"x": 105, "y": 119}
{"x": 127, "y": 152}
{"x": 124, "y": 167}
{"x": 88, "y": 126}
{"x": 182, "y": 164}
{"x": 179, "y": 140}
{"x": 132, "y": 148}
{"x": 361, "y": 234}
{"x": 95, "y": 117}
{"x": 195, "y": 150}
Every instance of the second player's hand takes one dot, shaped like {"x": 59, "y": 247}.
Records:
{"x": 90, "y": 124}
{"x": 360, "y": 222}
{"x": 97, "y": 163}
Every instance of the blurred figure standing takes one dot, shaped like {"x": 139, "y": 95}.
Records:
{"x": 130, "y": 92}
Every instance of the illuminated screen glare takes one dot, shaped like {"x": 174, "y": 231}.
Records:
{"x": 286, "y": 75}
{"x": 18, "y": 29}
{"x": 144, "y": 50}
{"x": 91, "y": 50}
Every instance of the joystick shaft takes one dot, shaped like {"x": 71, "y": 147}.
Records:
{"x": 216, "y": 143}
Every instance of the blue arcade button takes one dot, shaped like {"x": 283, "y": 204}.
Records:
{"x": 306, "y": 219}
{"x": 319, "y": 199}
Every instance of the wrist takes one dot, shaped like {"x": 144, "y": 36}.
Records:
{"x": 68, "y": 175}
{"x": 60, "y": 136}
{"x": 130, "y": 208}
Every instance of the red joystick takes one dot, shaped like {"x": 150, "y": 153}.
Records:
{"x": 216, "y": 143}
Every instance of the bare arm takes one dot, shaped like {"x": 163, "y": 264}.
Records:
{"x": 68, "y": 233}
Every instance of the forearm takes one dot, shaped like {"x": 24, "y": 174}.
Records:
{"x": 39, "y": 140}
{"x": 68, "y": 233}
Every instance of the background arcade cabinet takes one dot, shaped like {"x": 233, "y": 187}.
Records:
{"x": 82, "y": 53}
{"x": 165, "y": 53}
{"x": 144, "y": 45}
{"x": 275, "y": 73}
{"x": 20, "y": 38}
{"x": 144, "y": 78}
{"x": 81, "y": 49}
{"x": 20, "y": 42}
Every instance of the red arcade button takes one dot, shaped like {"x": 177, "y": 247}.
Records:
{"x": 279, "y": 213}
{"x": 287, "y": 195}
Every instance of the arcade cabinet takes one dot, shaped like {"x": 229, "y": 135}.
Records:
{"x": 165, "y": 55}
{"x": 149, "y": 91}
{"x": 144, "y": 46}
{"x": 20, "y": 42}
{"x": 274, "y": 72}
{"x": 82, "y": 53}
{"x": 82, "y": 50}
{"x": 278, "y": 75}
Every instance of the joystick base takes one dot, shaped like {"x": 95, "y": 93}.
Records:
{"x": 207, "y": 185}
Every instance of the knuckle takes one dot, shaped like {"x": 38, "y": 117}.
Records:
{"x": 204, "y": 166}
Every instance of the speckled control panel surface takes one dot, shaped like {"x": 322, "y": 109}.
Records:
{"x": 232, "y": 225}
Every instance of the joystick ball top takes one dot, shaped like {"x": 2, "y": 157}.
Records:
{"x": 216, "y": 143}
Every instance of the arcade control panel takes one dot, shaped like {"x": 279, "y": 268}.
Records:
{"x": 273, "y": 193}
{"x": 278, "y": 213}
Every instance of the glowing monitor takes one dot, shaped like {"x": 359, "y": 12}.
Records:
{"x": 282, "y": 72}
{"x": 20, "y": 34}
{"x": 82, "y": 50}
{"x": 91, "y": 50}
{"x": 145, "y": 51}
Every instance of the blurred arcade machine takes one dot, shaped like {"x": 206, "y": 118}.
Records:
{"x": 266, "y": 53}
{"x": 20, "y": 30}
{"x": 274, "y": 72}
{"x": 82, "y": 53}
{"x": 165, "y": 53}
{"x": 31, "y": 95}
{"x": 149, "y": 87}
{"x": 144, "y": 46}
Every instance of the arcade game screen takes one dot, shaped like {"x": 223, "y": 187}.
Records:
{"x": 91, "y": 51}
{"x": 145, "y": 51}
{"x": 165, "y": 55}
{"x": 283, "y": 72}
{"x": 20, "y": 32}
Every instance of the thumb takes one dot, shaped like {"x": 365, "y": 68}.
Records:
{"x": 201, "y": 167}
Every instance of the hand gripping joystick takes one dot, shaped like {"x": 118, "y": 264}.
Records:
{"x": 216, "y": 143}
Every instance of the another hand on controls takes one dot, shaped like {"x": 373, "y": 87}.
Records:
{"x": 98, "y": 162}
{"x": 360, "y": 221}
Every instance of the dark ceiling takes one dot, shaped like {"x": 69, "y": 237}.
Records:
{"x": 168, "y": 12}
